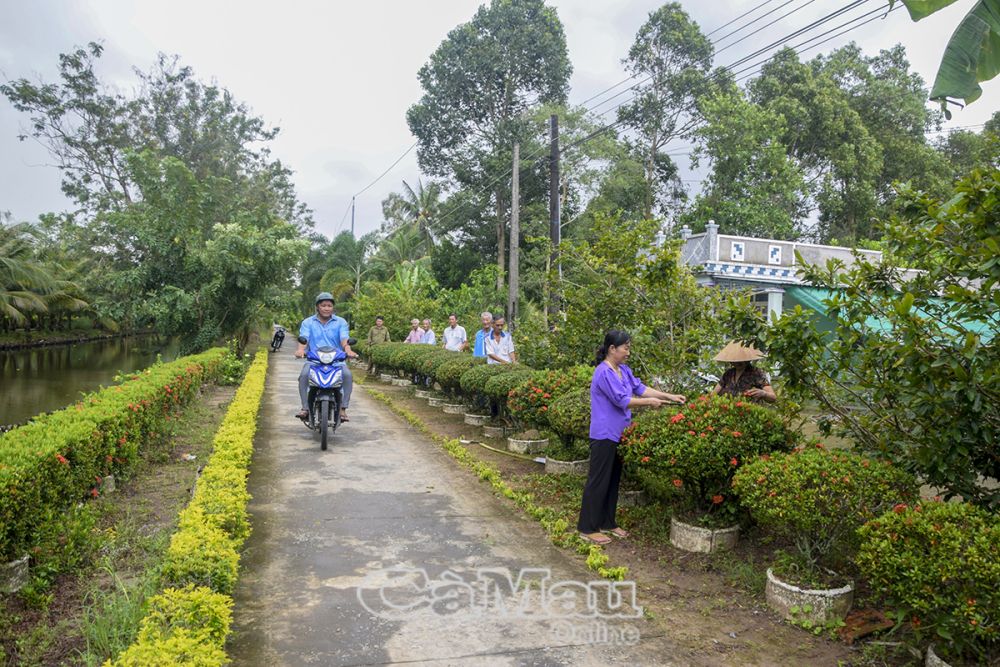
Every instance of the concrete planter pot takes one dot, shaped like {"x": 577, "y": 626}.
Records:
{"x": 454, "y": 408}
{"x": 816, "y": 605}
{"x": 401, "y": 382}
{"x": 633, "y": 498}
{"x": 436, "y": 401}
{"x": 476, "y": 420}
{"x": 554, "y": 467}
{"x": 526, "y": 446}
{"x": 425, "y": 393}
{"x": 108, "y": 484}
{"x": 686, "y": 537}
{"x": 14, "y": 575}
{"x": 495, "y": 431}
{"x": 386, "y": 377}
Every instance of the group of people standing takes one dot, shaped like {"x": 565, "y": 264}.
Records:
{"x": 492, "y": 341}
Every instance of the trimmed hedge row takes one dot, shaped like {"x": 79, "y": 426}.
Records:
{"x": 189, "y": 622}
{"x": 58, "y": 459}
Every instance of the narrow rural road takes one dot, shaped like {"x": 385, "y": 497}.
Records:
{"x": 382, "y": 550}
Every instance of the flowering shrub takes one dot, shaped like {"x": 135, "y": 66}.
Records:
{"x": 699, "y": 448}
{"x": 499, "y": 387}
{"x": 449, "y": 374}
{"x": 569, "y": 416}
{"x": 529, "y": 401}
{"x": 819, "y": 498}
{"x": 938, "y": 565}
{"x": 59, "y": 459}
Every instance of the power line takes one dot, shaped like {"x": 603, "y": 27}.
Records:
{"x": 747, "y": 13}
{"x": 762, "y": 16}
{"x": 365, "y": 189}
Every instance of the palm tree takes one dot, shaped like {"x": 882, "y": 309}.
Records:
{"x": 417, "y": 208}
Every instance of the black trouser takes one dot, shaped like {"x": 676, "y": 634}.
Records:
{"x": 600, "y": 495}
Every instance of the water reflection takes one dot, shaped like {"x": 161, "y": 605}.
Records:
{"x": 47, "y": 378}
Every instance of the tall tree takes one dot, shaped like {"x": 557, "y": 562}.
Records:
{"x": 478, "y": 86}
{"x": 672, "y": 57}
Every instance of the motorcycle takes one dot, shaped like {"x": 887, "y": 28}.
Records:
{"x": 326, "y": 379}
{"x": 278, "y": 339}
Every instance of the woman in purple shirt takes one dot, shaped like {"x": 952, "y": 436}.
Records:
{"x": 613, "y": 392}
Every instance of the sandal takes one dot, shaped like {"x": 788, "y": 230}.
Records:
{"x": 620, "y": 533}
{"x": 302, "y": 414}
{"x": 597, "y": 538}
{"x": 343, "y": 417}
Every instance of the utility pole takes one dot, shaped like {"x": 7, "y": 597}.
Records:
{"x": 515, "y": 231}
{"x": 554, "y": 232}
{"x": 352, "y": 217}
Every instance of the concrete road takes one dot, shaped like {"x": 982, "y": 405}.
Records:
{"x": 382, "y": 550}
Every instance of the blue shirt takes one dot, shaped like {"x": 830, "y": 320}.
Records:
{"x": 323, "y": 335}
{"x": 609, "y": 399}
{"x": 479, "y": 349}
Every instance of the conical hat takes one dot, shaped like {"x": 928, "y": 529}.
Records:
{"x": 736, "y": 352}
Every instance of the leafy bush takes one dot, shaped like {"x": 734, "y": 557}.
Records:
{"x": 473, "y": 381}
{"x": 498, "y": 387}
{"x": 938, "y": 565}
{"x": 819, "y": 498}
{"x": 408, "y": 359}
{"x": 429, "y": 363}
{"x": 529, "y": 402}
{"x": 188, "y": 626}
{"x": 449, "y": 374}
{"x": 57, "y": 460}
{"x": 382, "y": 355}
{"x": 569, "y": 416}
{"x": 700, "y": 447}
{"x": 233, "y": 365}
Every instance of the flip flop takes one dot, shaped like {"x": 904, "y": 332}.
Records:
{"x": 302, "y": 414}
{"x": 595, "y": 540}
{"x": 343, "y": 418}
{"x": 620, "y": 533}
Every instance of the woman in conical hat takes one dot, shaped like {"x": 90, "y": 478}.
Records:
{"x": 743, "y": 378}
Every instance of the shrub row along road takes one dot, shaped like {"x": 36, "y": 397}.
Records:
{"x": 327, "y": 524}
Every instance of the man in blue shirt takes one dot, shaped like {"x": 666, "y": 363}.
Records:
{"x": 479, "y": 349}
{"x": 324, "y": 329}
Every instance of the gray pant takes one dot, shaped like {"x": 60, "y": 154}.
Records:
{"x": 345, "y": 389}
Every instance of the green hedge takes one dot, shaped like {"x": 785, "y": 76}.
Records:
{"x": 189, "y": 623}
{"x": 499, "y": 387}
{"x": 449, "y": 374}
{"x": 58, "y": 459}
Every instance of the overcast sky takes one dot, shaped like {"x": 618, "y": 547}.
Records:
{"x": 337, "y": 77}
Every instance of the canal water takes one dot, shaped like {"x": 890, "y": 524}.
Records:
{"x": 42, "y": 379}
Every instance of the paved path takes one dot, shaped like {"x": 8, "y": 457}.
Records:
{"x": 380, "y": 505}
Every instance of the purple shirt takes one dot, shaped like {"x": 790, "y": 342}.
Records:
{"x": 609, "y": 398}
{"x": 415, "y": 336}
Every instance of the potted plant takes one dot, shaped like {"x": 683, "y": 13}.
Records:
{"x": 449, "y": 375}
{"x": 937, "y": 565}
{"x": 473, "y": 385}
{"x": 497, "y": 389}
{"x": 696, "y": 451}
{"x": 569, "y": 417}
{"x": 817, "y": 499}
{"x": 528, "y": 403}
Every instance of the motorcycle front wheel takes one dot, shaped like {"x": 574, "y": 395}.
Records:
{"x": 324, "y": 422}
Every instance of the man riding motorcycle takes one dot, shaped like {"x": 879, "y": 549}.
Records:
{"x": 320, "y": 330}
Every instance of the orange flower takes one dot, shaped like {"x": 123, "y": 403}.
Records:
{"x": 676, "y": 418}
{"x": 678, "y": 483}
{"x": 690, "y": 432}
{"x": 94, "y": 492}
{"x": 62, "y": 459}
{"x": 546, "y": 395}
{"x": 645, "y": 459}
{"x": 716, "y": 500}
{"x": 899, "y": 508}
{"x": 733, "y": 462}
{"x": 736, "y": 434}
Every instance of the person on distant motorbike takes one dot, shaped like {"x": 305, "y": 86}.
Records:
{"x": 324, "y": 329}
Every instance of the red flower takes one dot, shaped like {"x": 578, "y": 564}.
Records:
{"x": 690, "y": 432}
{"x": 122, "y": 440}
{"x": 733, "y": 462}
{"x": 678, "y": 483}
{"x": 645, "y": 459}
{"x": 716, "y": 500}
{"x": 94, "y": 492}
{"x": 546, "y": 395}
{"x": 739, "y": 404}
{"x": 899, "y": 508}
{"x": 971, "y": 602}
{"x": 676, "y": 418}
{"x": 736, "y": 434}
{"x": 915, "y": 621}
{"x": 62, "y": 459}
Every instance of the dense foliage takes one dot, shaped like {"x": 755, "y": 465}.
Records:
{"x": 937, "y": 566}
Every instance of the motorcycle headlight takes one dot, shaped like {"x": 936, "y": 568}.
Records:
{"x": 326, "y": 357}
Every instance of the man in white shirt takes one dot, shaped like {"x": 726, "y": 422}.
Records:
{"x": 454, "y": 335}
{"x": 500, "y": 345}
{"x": 428, "y": 338}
